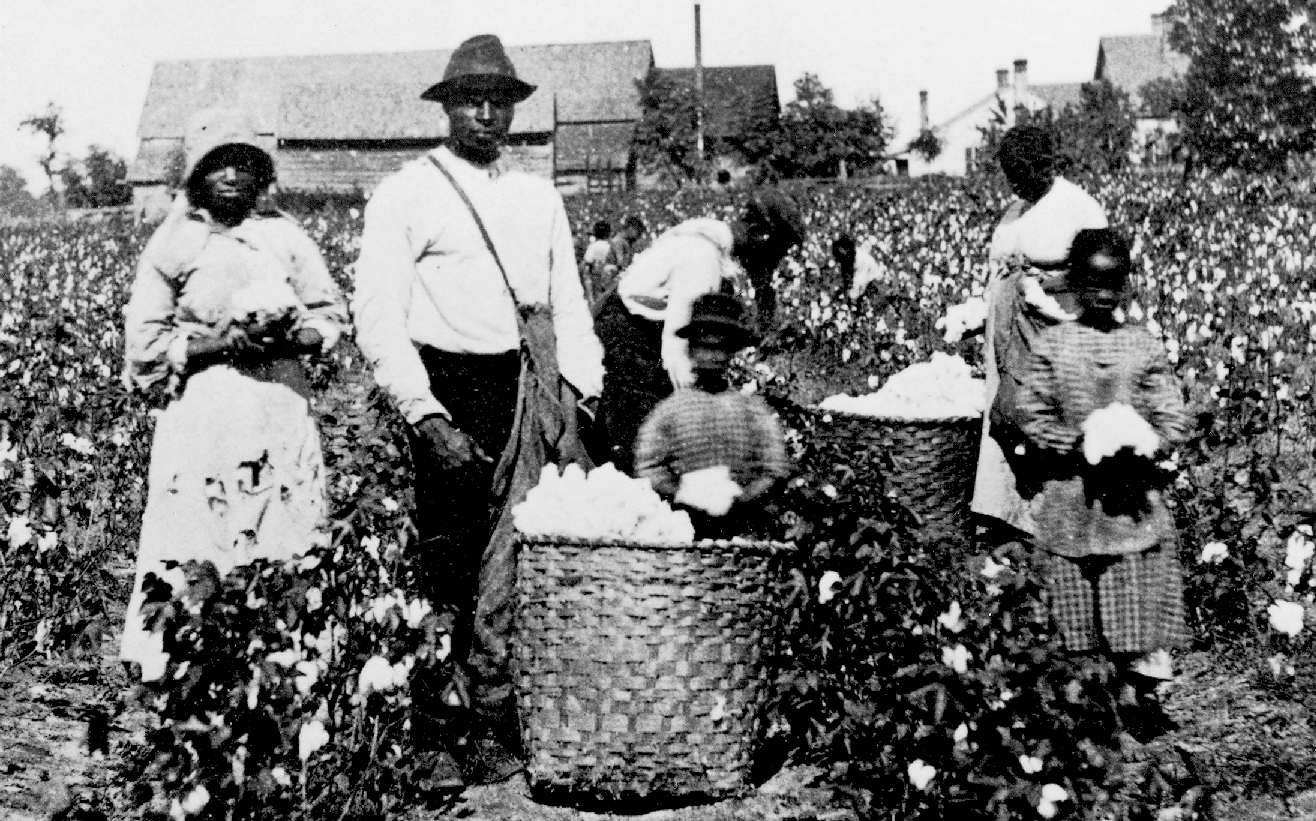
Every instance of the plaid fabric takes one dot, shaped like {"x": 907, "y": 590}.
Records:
{"x": 1140, "y": 599}
{"x": 692, "y": 430}
{"x": 1112, "y": 508}
{"x": 1075, "y": 369}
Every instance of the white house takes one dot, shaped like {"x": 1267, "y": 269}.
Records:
{"x": 961, "y": 135}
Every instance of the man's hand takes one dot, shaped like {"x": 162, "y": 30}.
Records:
{"x": 452, "y": 448}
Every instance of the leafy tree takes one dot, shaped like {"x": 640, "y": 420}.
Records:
{"x": 1097, "y": 134}
{"x": 48, "y": 124}
{"x": 97, "y": 181}
{"x": 1249, "y": 92}
{"x": 665, "y": 138}
{"x": 1162, "y": 97}
{"x": 927, "y": 145}
{"x": 816, "y": 137}
{"x": 15, "y": 199}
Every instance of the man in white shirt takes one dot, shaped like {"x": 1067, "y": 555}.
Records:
{"x": 440, "y": 317}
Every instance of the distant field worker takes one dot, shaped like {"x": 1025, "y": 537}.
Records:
{"x": 1036, "y": 232}
{"x": 225, "y": 301}
{"x": 714, "y": 450}
{"x": 626, "y": 243}
{"x": 644, "y": 358}
{"x": 595, "y": 258}
{"x": 1106, "y": 541}
{"x": 857, "y": 265}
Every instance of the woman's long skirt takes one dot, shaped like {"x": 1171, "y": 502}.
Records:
{"x": 236, "y": 474}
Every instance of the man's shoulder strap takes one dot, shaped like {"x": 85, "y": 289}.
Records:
{"x": 479, "y": 223}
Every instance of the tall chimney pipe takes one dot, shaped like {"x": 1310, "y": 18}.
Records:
{"x": 1020, "y": 81}
{"x": 699, "y": 87}
{"x": 1002, "y": 80}
{"x": 923, "y": 122}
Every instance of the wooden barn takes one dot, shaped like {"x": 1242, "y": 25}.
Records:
{"x": 342, "y": 122}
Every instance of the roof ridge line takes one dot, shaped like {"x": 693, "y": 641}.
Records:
{"x": 377, "y": 53}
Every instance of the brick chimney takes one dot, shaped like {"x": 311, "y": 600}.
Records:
{"x": 923, "y": 121}
{"x": 1002, "y": 80}
{"x": 1160, "y": 25}
{"x": 1020, "y": 81}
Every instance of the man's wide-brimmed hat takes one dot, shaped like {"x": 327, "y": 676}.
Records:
{"x": 722, "y": 314}
{"x": 479, "y": 65}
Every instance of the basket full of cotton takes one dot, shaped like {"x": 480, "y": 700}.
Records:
{"x": 640, "y": 656}
{"x": 916, "y": 439}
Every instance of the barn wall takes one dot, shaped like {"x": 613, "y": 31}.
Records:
{"x": 343, "y": 169}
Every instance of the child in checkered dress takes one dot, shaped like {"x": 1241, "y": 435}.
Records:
{"x": 713, "y": 450}
{"x": 1106, "y": 541}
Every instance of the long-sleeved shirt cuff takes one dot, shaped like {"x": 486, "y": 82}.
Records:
{"x": 587, "y": 380}
{"x": 416, "y": 409}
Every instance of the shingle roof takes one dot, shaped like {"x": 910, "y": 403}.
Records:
{"x": 732, "y": 95}
{"x": 1058, "y": 95}
{"x": 1130, "y": 62}
{"x": 376, "y": 96}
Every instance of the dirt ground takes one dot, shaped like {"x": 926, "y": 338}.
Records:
{"x": 1231, "y": 732}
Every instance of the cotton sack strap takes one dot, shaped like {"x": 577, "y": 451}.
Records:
{"x": 479, "y": 223}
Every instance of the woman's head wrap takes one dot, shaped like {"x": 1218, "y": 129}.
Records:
{"x": 220, "y": 136}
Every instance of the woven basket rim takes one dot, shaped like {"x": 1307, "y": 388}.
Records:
{"x": 754, "y": 545}
{"x": 898, "y": 420}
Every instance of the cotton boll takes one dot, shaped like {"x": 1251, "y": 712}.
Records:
{"x": 1108, "y": 430}
{"x": 1286, "y": 617}
{"x": 603, "y": 505}
{"x": 941, "y": 388}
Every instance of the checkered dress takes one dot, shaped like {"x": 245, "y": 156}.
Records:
{"x": 693, "y": 429}
{"x": 1107, "y": 542}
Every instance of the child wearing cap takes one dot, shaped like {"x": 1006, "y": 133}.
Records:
{"x": 1100, "y": 404}
{"x": 713, "y": 450}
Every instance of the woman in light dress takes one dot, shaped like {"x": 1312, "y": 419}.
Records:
{"x": 226, "y": 300}
{"x": 1034, "y": 236}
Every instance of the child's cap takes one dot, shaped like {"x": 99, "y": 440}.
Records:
{"x": 722, "y": 314}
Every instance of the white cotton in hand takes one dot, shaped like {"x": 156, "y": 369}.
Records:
{"x": 712, "y": 490}
{"x": 1042, "y": 301}
{"x": 1108, "y": 430}
{"x": 960, "y": 319}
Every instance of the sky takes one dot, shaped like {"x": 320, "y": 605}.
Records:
{"x": 93, "y": 58}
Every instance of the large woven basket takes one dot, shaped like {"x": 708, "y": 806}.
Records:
{"x": 640, "y": 669}
{"x": 926, "y": 465}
